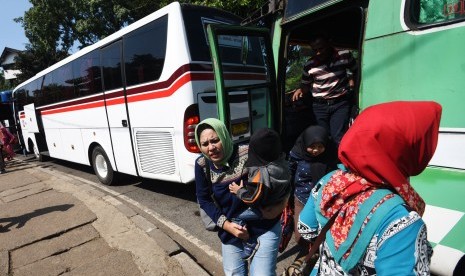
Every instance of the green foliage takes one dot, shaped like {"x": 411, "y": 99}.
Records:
{"x": 297, "y": 57}
{"x": 33, "y": 60}
{"x": 96, "y": 19}
{"x": 3, "y": 83}
{"x": 242, "y": 8}
{"x": 294, "y": 75}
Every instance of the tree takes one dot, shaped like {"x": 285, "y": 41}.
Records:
{"x": 296, "y": 58}
{"x": 3, "y": 84}
{"x": 96, "y": 19}
{"x": 242, "y": 8}
{"x": 33, "y": 60}
{"x": 49, "y": 40}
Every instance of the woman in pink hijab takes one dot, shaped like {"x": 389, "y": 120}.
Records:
{"x": 7, "y": 140}
{"x": 378, "y": 229}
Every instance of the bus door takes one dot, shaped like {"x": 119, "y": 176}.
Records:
{"x": 244, "y": 78}
{"x": 116, "y": 106}
{"x": 30, "y": 127}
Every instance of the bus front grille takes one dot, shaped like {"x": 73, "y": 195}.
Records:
{"x": 155, "y": 150}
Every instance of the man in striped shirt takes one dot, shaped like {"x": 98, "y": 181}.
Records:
{"x": 328, "y": 77}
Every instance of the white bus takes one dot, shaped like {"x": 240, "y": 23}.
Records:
{"x": 129, "y": 103}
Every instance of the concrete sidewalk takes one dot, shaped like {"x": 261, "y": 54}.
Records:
{"x": 53, "y": 224}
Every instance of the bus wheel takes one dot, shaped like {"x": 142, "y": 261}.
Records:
{"x": 39, "y": 157}
{"x": 102, "y": 166}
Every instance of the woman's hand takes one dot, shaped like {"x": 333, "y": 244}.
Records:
{"x": 273, "y": 211}
{"x": 236, "y": 230}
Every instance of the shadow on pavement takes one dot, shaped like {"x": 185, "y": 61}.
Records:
{"x": 20, "y": 221}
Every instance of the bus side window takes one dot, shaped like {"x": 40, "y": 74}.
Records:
{"x": 36, "y": 93}
{"x": 111, "y": 66}
{"x": 64, "y": 82}
{"x": 86, "y": 74}
{"x": 144, "y": 52}
{"x": 436, "y": 11}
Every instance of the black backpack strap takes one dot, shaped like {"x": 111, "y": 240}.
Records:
{"x": 208, "y": 174}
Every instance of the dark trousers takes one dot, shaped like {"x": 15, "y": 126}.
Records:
{"x": 334, "y": 117}
{"x": 2, "y": 161}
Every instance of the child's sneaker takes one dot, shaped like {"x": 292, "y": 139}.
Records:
{"x": 250, "y": 248}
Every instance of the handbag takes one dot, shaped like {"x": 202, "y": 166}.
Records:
{"x": 207, "y": 221}
{"x": 304, "y": 265}
{"x": 209, "y": 224}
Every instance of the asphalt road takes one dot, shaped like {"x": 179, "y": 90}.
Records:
{"x": 173, "y": 208}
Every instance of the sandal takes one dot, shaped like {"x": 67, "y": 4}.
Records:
{"x": 299, "y": 267}
{"x": 295, "y": 268}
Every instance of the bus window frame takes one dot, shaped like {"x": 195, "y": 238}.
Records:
{"x": 411, "y": 19}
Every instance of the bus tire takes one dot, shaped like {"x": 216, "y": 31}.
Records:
{"x": 35, "y": 150}
{"x": 102, "y": 166}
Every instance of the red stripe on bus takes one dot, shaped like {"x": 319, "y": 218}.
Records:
{"x": 163, "y": 92}
{"x": 161, "y": 85}
{"x": 135, "y": 98}
{"x": 117, "y": 97}
{"x": 73, "y": 108}
{"x": 93, "y": 98}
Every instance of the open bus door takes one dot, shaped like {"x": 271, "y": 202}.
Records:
{"x": 244, "y": 78}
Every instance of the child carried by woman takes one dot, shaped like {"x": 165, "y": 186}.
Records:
{"x": 268, "y": 183}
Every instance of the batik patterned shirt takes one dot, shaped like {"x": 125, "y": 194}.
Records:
{"x": 398, "y": 247}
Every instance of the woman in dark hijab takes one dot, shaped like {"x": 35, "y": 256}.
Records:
{"x": 312, "y": 156}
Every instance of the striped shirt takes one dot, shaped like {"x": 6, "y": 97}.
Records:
{"x": 329, "y": 79}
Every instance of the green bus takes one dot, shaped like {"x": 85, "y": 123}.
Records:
{"x": 406, "y": 50}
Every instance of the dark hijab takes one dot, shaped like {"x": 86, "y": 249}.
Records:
{"x": 320, "y": 164}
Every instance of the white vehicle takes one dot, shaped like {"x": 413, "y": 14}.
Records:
{"x": 130, "y": 102}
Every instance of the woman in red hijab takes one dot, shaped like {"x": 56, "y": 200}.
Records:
{"x": 378, "y": 229}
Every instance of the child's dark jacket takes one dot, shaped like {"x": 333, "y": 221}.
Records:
{"x": 267, "y": 184}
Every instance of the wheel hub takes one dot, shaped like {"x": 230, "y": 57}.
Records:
{"x": 101, "y": 166}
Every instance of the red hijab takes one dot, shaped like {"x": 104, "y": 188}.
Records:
{"x": 386, "y": 145}
{"x": 390, "y": 142}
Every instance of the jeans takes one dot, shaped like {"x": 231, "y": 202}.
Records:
{"x": 333, "y": 117}
{"x": 264, "y": 261}
{"x": 247, "y": 215}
